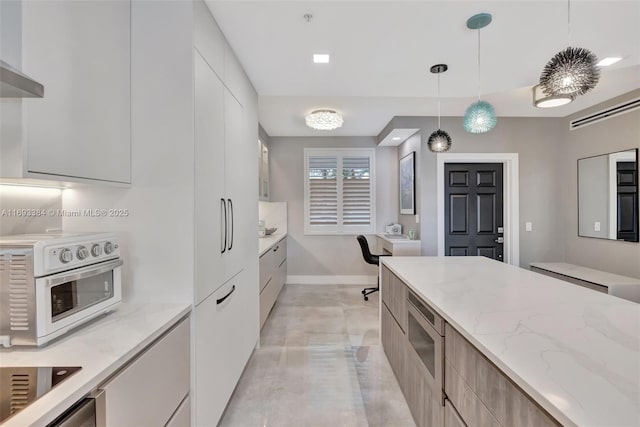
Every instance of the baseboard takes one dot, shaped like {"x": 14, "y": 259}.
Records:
{"x": 332, "y": 280}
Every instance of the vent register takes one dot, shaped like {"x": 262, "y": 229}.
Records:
{"x": 15, "y": 269}
{"x": 616, "y": 110}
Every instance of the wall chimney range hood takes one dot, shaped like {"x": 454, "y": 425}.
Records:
{"x": 14, "y": 84}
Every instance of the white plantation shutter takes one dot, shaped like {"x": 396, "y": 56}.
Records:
{"x": 339, "y": 191}
{"x": 323, "y": 191}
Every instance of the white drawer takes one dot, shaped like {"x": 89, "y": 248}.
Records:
{"x": 182, "y": 417}
{"x": 148, "y": 391}
{"x": 267, "y": 264}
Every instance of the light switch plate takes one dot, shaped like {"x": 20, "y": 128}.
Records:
{"x": 417, "y": 219}
{"x": 528, "y": 226}
{"x": 596, "y": 226}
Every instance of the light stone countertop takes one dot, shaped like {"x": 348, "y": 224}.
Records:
{"x": 268, "y": 242}
{"x": 574, "y": 351}
{"x": 100, "y": 348}
{"x": 405, "y": 240}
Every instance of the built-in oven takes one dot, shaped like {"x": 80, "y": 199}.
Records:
{"x": 52, "y": 283}
{"x": 425, "y": 331}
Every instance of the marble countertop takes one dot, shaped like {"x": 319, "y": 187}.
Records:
{"x": 587, "y": 274}
{"x": 267, "y": 242}
{"x": 404, "y": 240}
{"x": 101, "y": 348}
{"x": 574, "y": 351}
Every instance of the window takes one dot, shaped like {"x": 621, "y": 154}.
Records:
{"x": 339, "y": 191}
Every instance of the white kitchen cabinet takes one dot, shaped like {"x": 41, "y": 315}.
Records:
{"x": 223, "y": 345}
{"x": 81, "y": 129}
{"x": 182, "y": 416}
{"x": 149, "y": 390}
{"x": 221, "y": 203}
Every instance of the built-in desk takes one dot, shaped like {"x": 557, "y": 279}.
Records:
{"x": 398, "y": 245}
{"x": 608, "y": 283}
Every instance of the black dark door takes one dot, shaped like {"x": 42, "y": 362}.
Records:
{"x": 627, "y": 201}
{"x": 473, "y": 210}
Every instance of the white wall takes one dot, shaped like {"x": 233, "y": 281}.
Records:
{"x": 327, "y": 255}
{"x": 157, "y": 235}
{"x": 615, "y": 134}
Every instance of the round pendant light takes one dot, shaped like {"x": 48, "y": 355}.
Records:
{"x": 572, "y": 71}
{"x": 324, "y": 120}
{"x": 480, "y": 117}
{"x": 439, "y": 141}
{"x": 542, "y": 100}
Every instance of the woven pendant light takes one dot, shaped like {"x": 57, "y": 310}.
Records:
{"x": 480, "y": 116}
{"x": 572, "y": 71}
{"x": 439, "y": 141}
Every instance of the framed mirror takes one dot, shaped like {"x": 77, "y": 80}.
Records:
{"x": 608, "y": 196}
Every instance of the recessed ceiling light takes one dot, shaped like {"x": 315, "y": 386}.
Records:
{"x": 608, "y": 61}
{"x": 321, "y": 58}
{"x": 396, "y": 138}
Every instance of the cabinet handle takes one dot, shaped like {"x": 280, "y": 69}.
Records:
{"x": 276, "y": 248}
{"x": 221, "y": 300}
{"x": 224, "y": 208}
{"x": 232, "y": 223}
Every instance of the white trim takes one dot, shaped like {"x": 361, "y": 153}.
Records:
{"x": 614, "y": 158}
{"x": 511, "y": 203}
{"x": 332, "y": 280}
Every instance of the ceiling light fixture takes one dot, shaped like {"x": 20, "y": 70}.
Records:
{"x": 480, "y": 116}
{"x": 396, "y": 138}
{"x": 321, "y": 58}
{"x": 542, "y": 100}
{"x": 608, "y": 61}
{"x": 439, "y": 141}
{"x": 572, "y": 71}
{"x": 324, "y": 120}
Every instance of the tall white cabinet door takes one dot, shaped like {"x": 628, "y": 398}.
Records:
{"x": 80, "y": 51}
{"x": 222, "y": 348}
{"x": 236, "y": 179}
{"x": 210, "y": 197}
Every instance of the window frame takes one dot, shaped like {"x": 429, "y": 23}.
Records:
{"x": 340, "y": 229}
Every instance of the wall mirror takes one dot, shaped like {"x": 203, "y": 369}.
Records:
{"x": 608, "y": 196}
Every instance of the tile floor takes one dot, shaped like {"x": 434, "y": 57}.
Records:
{"x": 320, "y": 364}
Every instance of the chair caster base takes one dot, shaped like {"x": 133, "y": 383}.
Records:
{"x": 366, "y": 298}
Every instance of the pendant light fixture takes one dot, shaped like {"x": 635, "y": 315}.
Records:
{"x": 572, "y": 71}
{"x": 480, "y": 116}
{"x": 439, "y": 141}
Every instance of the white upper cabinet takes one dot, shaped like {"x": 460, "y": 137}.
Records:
{"x": 208, "y": 38}
{"x": 80, "y": 51}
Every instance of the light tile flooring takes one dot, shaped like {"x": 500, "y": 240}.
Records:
{"x": 320, "y": 364}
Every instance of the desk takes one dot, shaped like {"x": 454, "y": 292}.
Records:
{"x": 608, "y": 283}
{"x": 399, "y": 245}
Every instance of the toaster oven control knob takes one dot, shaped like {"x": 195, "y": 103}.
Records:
{"x": 82, "y": 253}
{"x": 108, "y": 248}
{"x": 65, "y": 256}
{"x": 96, "y": 250}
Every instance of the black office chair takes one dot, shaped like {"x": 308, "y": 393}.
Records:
{"x": 369, "y": 259}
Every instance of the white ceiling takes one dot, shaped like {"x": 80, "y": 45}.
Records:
{"x": 381, "y": 52}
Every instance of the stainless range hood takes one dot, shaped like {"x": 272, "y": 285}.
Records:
{"x": 14, "y": 84}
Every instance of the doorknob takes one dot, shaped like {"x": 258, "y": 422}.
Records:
{"x": 499, "y": 240}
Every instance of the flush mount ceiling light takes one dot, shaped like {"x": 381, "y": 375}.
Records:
{"x": 439, "y": 141}
{"x": 542, "y": 100}
{"x": 324, "y": 120}
{"x": 572, "y": 71}
{"x": 480, "y": 116}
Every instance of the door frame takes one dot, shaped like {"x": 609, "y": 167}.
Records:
{"x": 511, "y": 201}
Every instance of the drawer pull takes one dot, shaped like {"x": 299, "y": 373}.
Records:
{"x": 221, "y": 300}
{"x": 276, "y": 248}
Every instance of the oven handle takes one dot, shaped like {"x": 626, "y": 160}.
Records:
{"x": 82, "y": 273}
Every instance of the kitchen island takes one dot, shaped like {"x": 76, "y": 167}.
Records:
{"x": 573, "y": 352}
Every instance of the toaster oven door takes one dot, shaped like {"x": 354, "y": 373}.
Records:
{"x": 66, "y": 299}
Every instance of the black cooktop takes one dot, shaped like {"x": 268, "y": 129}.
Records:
{"x": 21, "y": 386}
